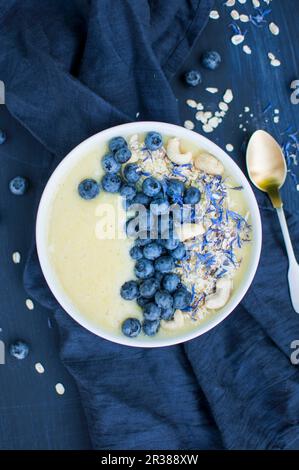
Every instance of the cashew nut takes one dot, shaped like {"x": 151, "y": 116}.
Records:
{"x": 209, "y": 164}
{"x": 174, "y": 152}
{"x": 188, "y": 231}
{"x": 176, "y": 323}
{"x": 222, "y": 294}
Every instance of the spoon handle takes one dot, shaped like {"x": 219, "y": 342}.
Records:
{"x": 293, "y": 275}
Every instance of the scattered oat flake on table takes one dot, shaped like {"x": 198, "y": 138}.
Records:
{"x": 29, "y": 304}
{"x": 244, "y": 18}
{"x": 247, "y": 49}
{"x": 207, "y": 128}
{"x": 191, "y": 103}
{"x": 214, "y": 15}
{"x": 246, "y": 109}
{"x": 189, "y": 124}
{"x": 214, "y": 122}
{"x": 276, "y": 119}
{"x": 275, "y": 63}
{"x": 16, "y": 257}
{"x": 212, "y": 90}
{"x": 228, "y": 96}
{"x": 274, "y": 28}
{"x": 223, "y": 106}
{"x": 199, "y": 106}
{"x": 242, "y": 1}
{"x": 237, "y": 39}
{"x": 271, "y": 55}
{"x": 39, "y": 368}
{"x": 256, "y": 3}
{"x": 276, "y": 111}
{"x": 60, "y": 389}
{"x": 230, "y": 3}
{"x": 234, "y": 14}
{"x": 229, "y": 147}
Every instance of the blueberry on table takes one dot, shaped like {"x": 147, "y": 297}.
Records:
{"x": 179, "y": 253}
{"x": 151, "y": 186}
{"x": 132, "y": 173}
{"x": 149, "y": 287}
{"x": 19, "y": 349}
{"x": 109, "y": 164}
{"x": 136, "y": 252}
{"x": 153, "y": 141}
{"x": 163, "y": 299}
{"x": 151, "y": 311}
{"x": 123, "y": 155}
{"x": 2, "y": 137}
{"x": 128, "y": 191}
{"x": 170, "y": 282}
{"x": 210, "y": 60}
{"x": 131, "y": 327}
{"x": 152, "y": 251}
{"x": 144, "y": 269}
{"x": 193, "y": 78}
{"x": 182, "y": 298}
{"x": 175, "y": 188}
{"x": 167, "y": 314}
{"x": 111, "y": 182}
{"x": 18, "y": 186}
{"x": 129, "y": 290}
{"x": 151, "y": 328}
{"x": 192, "y": 195}
{"x": 117, "y": 143}
{"x": 164, "y": 264}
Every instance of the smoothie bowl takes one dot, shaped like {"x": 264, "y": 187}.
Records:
{"x": 148, "y": 234}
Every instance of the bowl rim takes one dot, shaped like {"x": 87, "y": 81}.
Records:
{"x": 129, "y": 129}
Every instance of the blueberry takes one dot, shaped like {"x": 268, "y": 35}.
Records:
{"x": 191, "y": 195}
{"x": 167, "y": 313}
{"x": 131, "y": 327}
{"x": 182, "y": 298}
{"x": 151, "y": 186}
{"x": 111, "y": 182}
{"x": 128, "y": 191}
{"x": 117, "y": 143}
{"x": 153, "y": 141}
{"x": 144, "y": 268}
{"x": 151, "y": 311}
{"x": 151, "y": 328}
{"x": 123, "y": 155}
{"x": 19, "y": 349}
{"x": 18, "y": 186}
{"x": 152, "y": 250}
{"x": 132, "y": 172}
{"x": 210, "y": 60}
{"x": 136, "y": 252}
{"x": 2, "y": 137}
{"x": 163, "y": 299}
{"x": 171, "y": 242}
{"x": 141, "y": 198}
{"x": 149, "y": 287}
{"x": 142, "y": 301}
{"x": 170, "y": 282}
{"x": 109, "y": 164}
{"x": 175, "y": 189}
{"x": 193, "y": 77}
{"x": 129, "y": 290}
{"x": 179, "y": 252}
{"x": 159, "y": 205}
{"x": 164, "y": 264}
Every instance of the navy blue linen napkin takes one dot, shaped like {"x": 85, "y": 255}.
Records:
{"x": 72, "y": 69}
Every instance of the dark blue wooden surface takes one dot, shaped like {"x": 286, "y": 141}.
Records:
{"x": 32, "y": 414}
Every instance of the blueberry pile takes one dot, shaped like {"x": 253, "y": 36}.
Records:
{"x": 158, "y": 290}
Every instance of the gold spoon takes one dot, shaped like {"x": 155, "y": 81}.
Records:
{"x": 267, "y": 170}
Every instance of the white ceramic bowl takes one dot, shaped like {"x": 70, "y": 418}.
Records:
{"x": 98, "y": 140}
